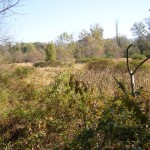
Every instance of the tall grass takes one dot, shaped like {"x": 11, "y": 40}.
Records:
{"x": 99, "y": 74}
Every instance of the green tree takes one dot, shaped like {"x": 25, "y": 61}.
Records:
{"x": 139, "y": 31}
{"x": 111, "y": 48}
{"x": 96, "y": 31}
{"x": 90, "y": 44}
{"x": 65, "y": 47}
{"x": 64, "y": 39}
{"x": 116, "y": 46}
{"x": 50, "y": 52}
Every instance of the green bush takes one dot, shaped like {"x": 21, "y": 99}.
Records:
{"x": 120, "y": 66}
{"x": 48, "y": 64}
{"x": 23, "y": 72}
{"x": 41, "y": 64}
{"x": 101, "y": 64}
{"x": 119, "y": 127}
{"x": 109, "y": 55}
{"x": 137, "y": 56}
{"x": 144, "y": 67}
{"x": 85, "y": 60}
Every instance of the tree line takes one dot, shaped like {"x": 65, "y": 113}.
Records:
{"x": 90, "y": 44}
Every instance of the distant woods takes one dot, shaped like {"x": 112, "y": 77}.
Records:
{"x": 90, "y": 45}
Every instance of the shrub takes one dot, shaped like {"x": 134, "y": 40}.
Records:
{"x": 137, "y": 56}
{"x": 85, "y": 60}
{"x": 101, "y": 64}
{"x": 118, "y": 127}
{"x": 41, "y": 64}
{"x": 48, "y": 64}
{"x": 109, "y": 55}
{"x": 121, "y": 66}
{"x": 23, "y": 72}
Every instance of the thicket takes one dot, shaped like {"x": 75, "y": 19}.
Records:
{"x": 81, "y": 110}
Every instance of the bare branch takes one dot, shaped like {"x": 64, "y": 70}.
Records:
{"x": 9, "y": 5}
{"x": 140, "y": 65}
{"x": 122, "y": 87}
{"x": 6, "y": 8}
{"x": 128, "y": 67}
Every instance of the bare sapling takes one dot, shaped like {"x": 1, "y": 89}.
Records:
{"x": 131, "y": 72}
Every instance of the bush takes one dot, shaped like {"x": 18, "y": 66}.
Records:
{"x": 85, "y": 60}
{"x": 23, "y": 72}
{"x": 109, "y": 55}
{"x": 41, "y": 64}
{"x": 48, "y": 64}
{"x": 121, "y": 66}
{"x": 137, "y": 56}
{"x": 119, "y": 127}
{"x": 101, "y": 64}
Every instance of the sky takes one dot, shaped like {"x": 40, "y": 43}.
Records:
{"x": 45, "y": 20}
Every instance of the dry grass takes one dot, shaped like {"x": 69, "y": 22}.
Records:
{"x": 42, "y": 76}
{"x": 47, "y": 117}
{"x": 100, "y": 79}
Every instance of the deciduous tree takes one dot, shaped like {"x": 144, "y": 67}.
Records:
{"x": 90, "y": 43}
{"x": 50, "y": 52}
{"x": 65, "y": 47}
{"x": 139, "y": 31}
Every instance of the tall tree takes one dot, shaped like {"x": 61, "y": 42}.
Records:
{"x": 90, "y": 43}
{"x": 111, "y": 47}
{"x": 139, "y": 30}
{"x": 50, "y": 52}
{"x": 64, "y": 39}
{"x": 96, "y": 31}
{"x": 65, "y": 47}
{"x": 117, "y": 32}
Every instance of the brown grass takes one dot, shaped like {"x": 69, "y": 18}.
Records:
{"x": 101, "y": 79}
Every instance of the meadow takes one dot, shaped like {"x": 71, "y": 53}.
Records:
{"x": 74, "y": 107}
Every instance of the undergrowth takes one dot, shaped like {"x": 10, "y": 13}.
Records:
{"x": 82, "y": 110}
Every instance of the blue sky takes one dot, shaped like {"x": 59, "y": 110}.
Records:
{"x": 44, "y": 20}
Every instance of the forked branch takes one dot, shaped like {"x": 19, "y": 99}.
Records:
{"x": 7, "y": 4}
{"x": 131, "y": 72}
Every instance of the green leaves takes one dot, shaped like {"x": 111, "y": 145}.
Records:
{"x": 50, "y": 52}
